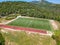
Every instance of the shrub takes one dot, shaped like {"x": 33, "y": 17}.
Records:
{"x": 56, "y": 36}
{"x": 10, "y": 17}
{"x": 2, "y": 40}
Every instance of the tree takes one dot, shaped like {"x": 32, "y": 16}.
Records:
{"x": 56, "y": 36}
{"x": 2, "y": 40}
{"x": 39, "y": 10}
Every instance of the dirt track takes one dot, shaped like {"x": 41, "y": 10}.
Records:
{"x": 25, "y": 29}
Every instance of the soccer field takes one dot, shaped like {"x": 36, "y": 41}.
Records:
{"x": 32, "y": 23}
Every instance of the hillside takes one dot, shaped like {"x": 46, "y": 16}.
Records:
{"x": 29, "y": 23}
{"x": 37, "y": 9}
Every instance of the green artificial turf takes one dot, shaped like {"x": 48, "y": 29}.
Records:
{"x": 32, "y": 23}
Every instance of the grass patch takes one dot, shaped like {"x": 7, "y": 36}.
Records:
{"x": 32, "y": 23}
{"x": 23, "y": 38}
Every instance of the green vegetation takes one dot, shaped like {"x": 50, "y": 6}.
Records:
{"x": 43, "y": 9}
{"x": 11, "y": 16}
{"x": 1, "y": 19}
{"x": 32, "y": 23}
{"x": 23, "y": 38}
{"x": 36, "y": 9}
{"x": 2, "y": 40}
{"x": 56, "y": 36}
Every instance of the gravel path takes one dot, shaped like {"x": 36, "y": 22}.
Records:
{"x": 54, "y": 24}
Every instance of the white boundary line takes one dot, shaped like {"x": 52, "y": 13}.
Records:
{"x": 49, "y": 33}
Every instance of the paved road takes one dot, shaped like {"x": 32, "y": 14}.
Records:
{"x": 23, "y": 29}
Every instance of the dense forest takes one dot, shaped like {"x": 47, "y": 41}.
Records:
{"x": 33, "y": 9}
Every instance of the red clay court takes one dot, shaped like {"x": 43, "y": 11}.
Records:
{"x": 22, "y": 28}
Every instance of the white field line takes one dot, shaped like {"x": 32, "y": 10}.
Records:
{"x": 48, "y": 32}
{"x": 15, "y": 19}
{"x": 10, "y": 20}
{"x": 55, "y": 26}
